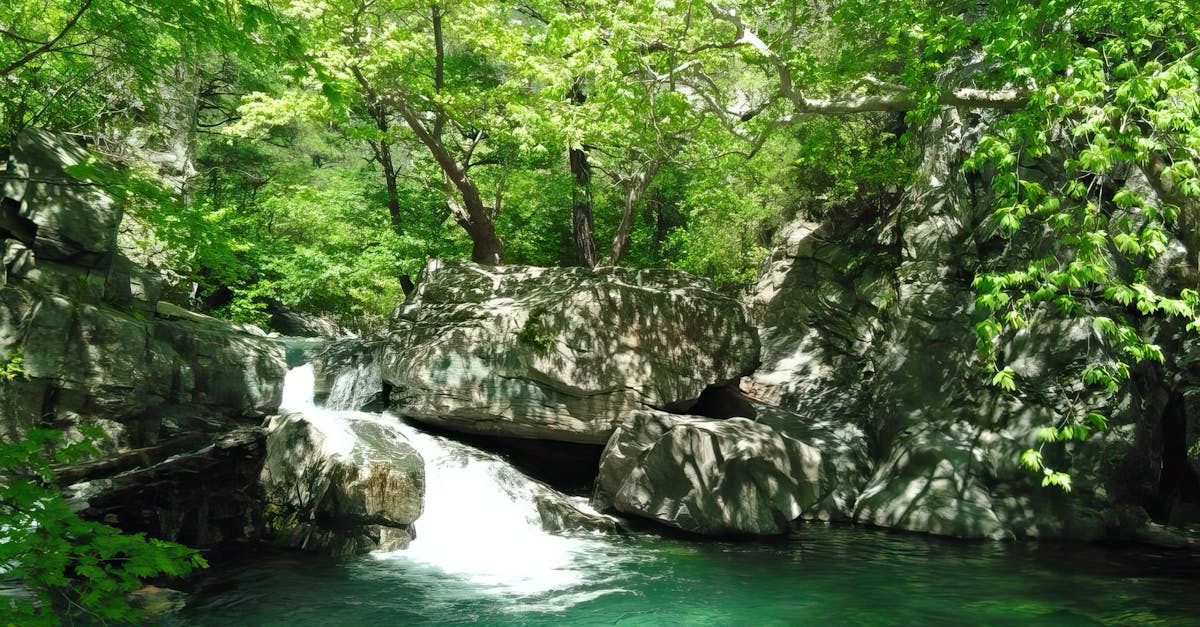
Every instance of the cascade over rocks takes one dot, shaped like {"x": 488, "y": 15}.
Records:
{"x": 559, "y": 353}
{"x": 348, "y": 375}
{"x": 341, "y": 487}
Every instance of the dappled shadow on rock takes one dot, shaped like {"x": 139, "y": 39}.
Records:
{"x": 867, "y": 320}
{"x": 559, "y": 353}
{"x": 715, "y": 477}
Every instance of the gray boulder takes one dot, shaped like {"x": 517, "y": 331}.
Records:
{"x": 712, "y": 477}
{"x": 341, "y": 485}
{"x": 124, "y": 370}
{"x": 199, "y": 489}
{"x": 929, "y": 484}
{"x": 348, "y": 375}
{"x": 559, "y": 353}
{"x": 59, "y": 215}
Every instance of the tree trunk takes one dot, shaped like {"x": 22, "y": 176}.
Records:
{"x": 393, "y": 192}
{"x": 634, "y": 189}
{"x": 581, "y": 208}
{"x": 1187, "y": 225}
{"x": 581, "y": 193}
{"x": 486, "y": 247}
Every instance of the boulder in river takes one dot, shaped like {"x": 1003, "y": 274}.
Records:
{"x": 712, "y": 477}
{"x": 560, "y": 353}
{"x": 341, "y": 485}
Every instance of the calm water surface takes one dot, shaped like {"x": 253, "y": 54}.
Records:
{"x": 824, "y": 575}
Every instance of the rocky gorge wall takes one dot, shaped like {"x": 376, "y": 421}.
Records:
{"x": 863, "y": 398}
{"x": 177, "y": 396}
{"x": 866, "y": 318}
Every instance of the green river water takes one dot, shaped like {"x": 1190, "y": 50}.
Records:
{"x": 482, "y": 557}
{"x": 833, "y": 575}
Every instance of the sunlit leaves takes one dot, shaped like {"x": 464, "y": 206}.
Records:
{"x": 1123, "y": 96}
{"x": 70, "y": 564}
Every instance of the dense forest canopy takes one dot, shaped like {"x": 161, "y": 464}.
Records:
{"x": 316, "y": 153}
{"x": 313, "y": 155}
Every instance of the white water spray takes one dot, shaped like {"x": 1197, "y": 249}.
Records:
{"x": 480, "y": 529}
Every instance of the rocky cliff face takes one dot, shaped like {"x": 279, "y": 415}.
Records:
{"x": 867, "y": 319}
{"x": 860, "y": 398}
{"x": 178, "y": 395}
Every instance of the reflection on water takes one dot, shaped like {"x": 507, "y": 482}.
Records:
{"x": 823, "y": 575}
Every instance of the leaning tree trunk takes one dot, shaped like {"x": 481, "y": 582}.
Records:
{"x": 471, "y": 213}
{"x": 486, "y": 247}
{"x": 390, "y": 179}
{"x": 633, "y": 191}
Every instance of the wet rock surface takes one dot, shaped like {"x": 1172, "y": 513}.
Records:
{"x": 341, "y": 487}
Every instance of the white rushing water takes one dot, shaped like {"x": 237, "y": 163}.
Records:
{"x": 480, "y": 532}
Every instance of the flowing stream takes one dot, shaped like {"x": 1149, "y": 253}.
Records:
{"x": 481, "y": 556}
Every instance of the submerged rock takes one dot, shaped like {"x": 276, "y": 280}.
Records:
{"x": 712, "y": 476}
{"x": 156, "y": 602}
{"x": 559, "y": 513}
{"x": 343, "y": 486}
{"x": 559, "y": 353}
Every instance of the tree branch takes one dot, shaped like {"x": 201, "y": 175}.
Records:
{"x": 897, "y": 99}
{"x": 49, "y": 45}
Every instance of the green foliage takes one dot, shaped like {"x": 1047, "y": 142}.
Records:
{"x": 1115, "y": 96}
{"x": 305, "y": 225}
{"x": 71, "y": 566}
{"x": 13, "y": 367}
{"x": 535, "y": 333}
{"x": 70, "y": 65}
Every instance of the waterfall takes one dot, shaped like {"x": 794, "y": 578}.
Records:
{"x": 480, "y": 531}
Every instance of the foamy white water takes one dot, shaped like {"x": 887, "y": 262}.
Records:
{"x": 480, "y": 525}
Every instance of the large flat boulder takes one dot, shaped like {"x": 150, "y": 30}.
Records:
{"x": 713, "y": 477}
{"x": 560, "y": 353}
{"x": 124, "y": 370}
{"x": 340, "y": 484}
